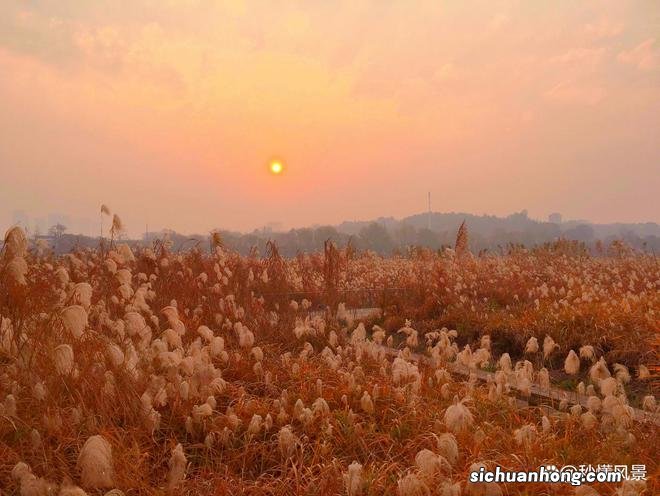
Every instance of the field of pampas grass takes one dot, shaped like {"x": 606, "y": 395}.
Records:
{"x": 147, "y": 371}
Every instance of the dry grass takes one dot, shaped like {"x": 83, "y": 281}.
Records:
{"x": 135, "y": 399}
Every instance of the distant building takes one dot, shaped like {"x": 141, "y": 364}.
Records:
{"x": 41, "y": 225}
{"x": 554, "y": 218}
{"x": 20, "y": 218}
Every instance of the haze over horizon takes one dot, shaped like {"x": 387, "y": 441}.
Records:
{"x": 88, "y": 226}
{"x": 170, "y": 112}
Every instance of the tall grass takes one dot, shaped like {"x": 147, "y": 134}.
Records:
{"x": 112, "y": 375}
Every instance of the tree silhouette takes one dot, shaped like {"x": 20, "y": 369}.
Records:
{"x": 57, "y": 231}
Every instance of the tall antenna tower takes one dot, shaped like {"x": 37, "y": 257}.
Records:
{"x": 428, "y": 217}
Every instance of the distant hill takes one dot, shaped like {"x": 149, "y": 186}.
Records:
{"x": 490, "y": 224}
{"x": 387, "y": 234}
{"x": 490, "y": 231}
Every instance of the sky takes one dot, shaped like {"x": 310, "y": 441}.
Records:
{"x": 170, "y": 111}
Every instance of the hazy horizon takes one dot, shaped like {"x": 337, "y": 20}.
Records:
{"x": 170, "y": 112}
{"x": 72, "y": 224}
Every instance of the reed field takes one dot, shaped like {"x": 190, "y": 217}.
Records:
{"x": 147, "y": 370}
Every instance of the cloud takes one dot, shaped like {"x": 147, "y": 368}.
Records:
{"x": 570, "y": 93}
{"x": 334, "y": 87}
{"x": 27, "y": 32}
{"x": 603, "y": 29}
{"x": 583, "y": 56}
{"x": 499, "y": 21}
{"x": 643, "y": 56}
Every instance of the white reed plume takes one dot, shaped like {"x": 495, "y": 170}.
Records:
{"x": 532, "y": 345}
{"x": 366, "y": 403}
{"x": 524, "y": 384}
{"x": 16, "y": 270}
{"x": 62, "y": 276}
{"x": 20, "y": 471}
{"x": 255, "y": 425}
{"x": 448, "y": 447}
{"x": 287, "y": 441}
{"x": 449, "y": 489}
{"x": 117, "y": 226}
{"x": 599, "y": 371}
{"x": 63, "y": 358}
{"x": 572, "y": 363}
{"x": 589, "y": 420}
{"x": 82, "y": 295}
{"x": 378, "y": 334}
{"x": 257, "y": 353}
{"x": 525, "y": 435}
{"x": 544, "y": 378}
{"x": 585, "y": 490}
{"x": 481, "y": 488}
{"x": 546, "y": 426}
{"x": 608, "y": 386}
{"x": 202, "y": 411}
{"x": 458, "y": 417}
{"x": 621, "y": 373}
{"x": 594, "y": 404}
{"x": 649, "y": 403}
{"x": 353, "y": 479}
{"x": 445, "y": 391}
{"x": 320, "y": 407}
{"x": 39, "y": 391}
{"x": 125, "y": 252}
{"x": 30, "y": 485}
{"x": 35, "y": 439}
{"x": 69, "y": 489}
{"x": 411, "y": 485}
{"x": 643, "y": 372}
{"x": 177, "y": 464}
{"x": 505, "y": 362}
{"x": 245, "y": 336}
{"x": 95, "y": 463}
{"x": 631, "y": 488}
{"x": 124, "y": 276}
{"x": 115, "y": 355}
{"x": 74, "y": 318}
{"x": 205, "y": 333}
{"x": 549, "y": 346}
{"x": 15, "y": 243}
{"x": 587, "y": 352}
{"x": 431, "y": 465}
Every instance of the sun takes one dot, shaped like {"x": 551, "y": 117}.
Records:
{"x": 276, "y": 167}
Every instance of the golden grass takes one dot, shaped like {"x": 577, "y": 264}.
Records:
{"x": 609, "y": 302}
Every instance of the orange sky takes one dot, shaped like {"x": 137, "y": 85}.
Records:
{"x": 169, "y": 111}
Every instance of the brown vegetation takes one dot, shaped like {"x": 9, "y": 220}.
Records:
{"x": 194, "y": 373}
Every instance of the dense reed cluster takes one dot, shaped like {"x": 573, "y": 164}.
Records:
{"x": 144, "y": 371}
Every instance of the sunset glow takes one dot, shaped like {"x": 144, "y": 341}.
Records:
{"x": 276, "y": 168}
{"x": 467, "y": 102}
{"x": 342, "y": 247}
